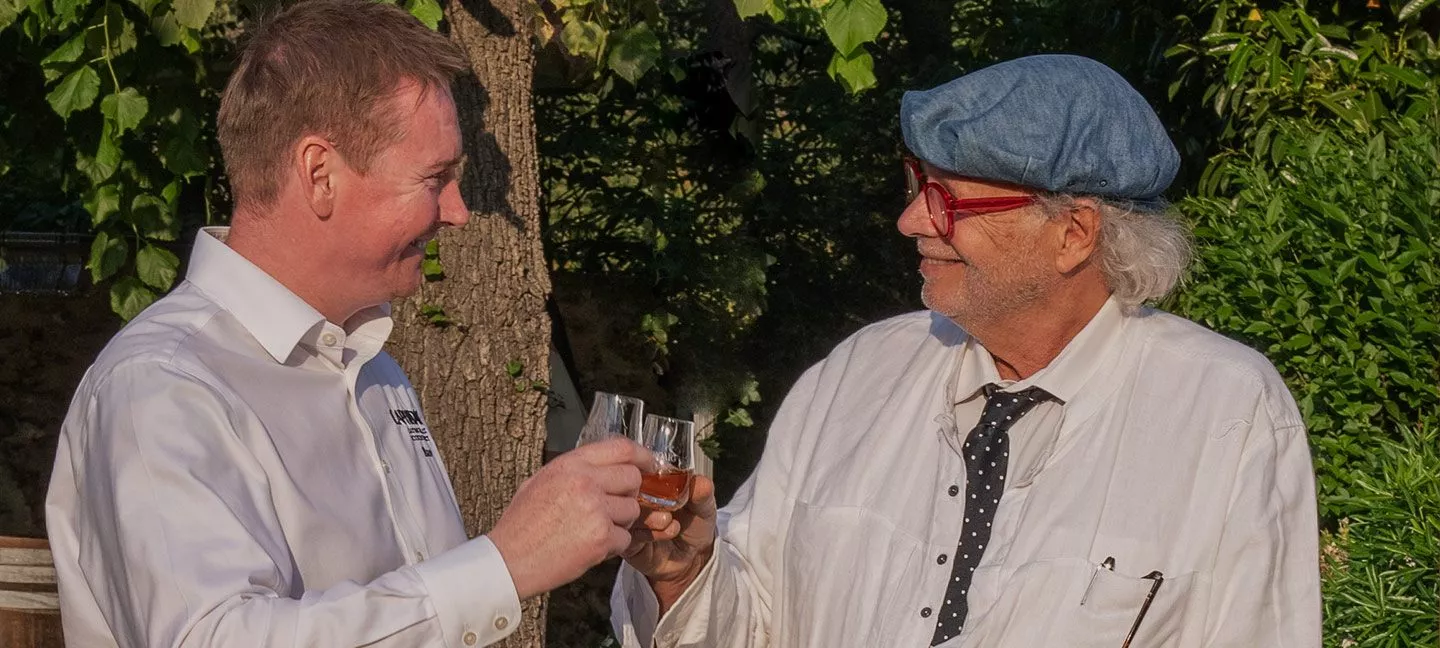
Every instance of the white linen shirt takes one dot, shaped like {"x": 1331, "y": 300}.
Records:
{"x": 1168, "y": 448}
{"x": 236, "y": 471}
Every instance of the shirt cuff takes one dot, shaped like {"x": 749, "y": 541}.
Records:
{"x": 689, "y": 619}
{"x": 633, "y": 608}
{"x": 636, "y": 609}
{"x": 474, "y": 597}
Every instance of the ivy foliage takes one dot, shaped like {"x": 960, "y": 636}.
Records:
{"x": 628, "y": 39}
{"x": 108, "y": 105}
{"x": 108, "y": 128}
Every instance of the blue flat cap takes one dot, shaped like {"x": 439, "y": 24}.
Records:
{"x": 1060, "y": 123}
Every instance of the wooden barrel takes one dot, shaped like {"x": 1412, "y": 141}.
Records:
{"x": 29, "y": 604}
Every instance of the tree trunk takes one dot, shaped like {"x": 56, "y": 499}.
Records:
{"x": 488, "y": 424}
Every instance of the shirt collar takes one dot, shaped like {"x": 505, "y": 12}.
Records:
{"x": 1093, "y": 347}
{"x": 276, "y": 317}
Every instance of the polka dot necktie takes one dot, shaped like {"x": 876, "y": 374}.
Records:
{"x": 987, "y": 455}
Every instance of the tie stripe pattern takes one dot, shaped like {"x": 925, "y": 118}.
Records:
{"x": 987, "y": 456}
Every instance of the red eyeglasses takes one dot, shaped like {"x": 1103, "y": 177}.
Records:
{"x": 945, "y": 208}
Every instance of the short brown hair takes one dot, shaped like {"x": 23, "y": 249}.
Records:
{"x": 323, "y": 67}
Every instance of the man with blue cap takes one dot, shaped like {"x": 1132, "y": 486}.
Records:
{"x": 1038, "y": 459}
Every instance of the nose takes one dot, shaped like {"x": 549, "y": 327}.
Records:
{"x": 914, "y": 221}
{"x": 453, "y": 212}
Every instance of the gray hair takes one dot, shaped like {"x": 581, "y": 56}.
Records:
{"x": 1144, "y": 250}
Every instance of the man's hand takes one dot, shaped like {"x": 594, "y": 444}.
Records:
{"x": 571, "y": 515}
{"x": 671, "y": 550}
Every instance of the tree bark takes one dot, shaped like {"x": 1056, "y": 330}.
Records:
{"x": 489, "y": 425}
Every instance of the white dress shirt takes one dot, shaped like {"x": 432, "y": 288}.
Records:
{"x": 1168, "y": 448}
{"x": 236, "y": 471}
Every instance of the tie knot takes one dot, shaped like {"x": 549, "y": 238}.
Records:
{"x": 1012, "y": 404}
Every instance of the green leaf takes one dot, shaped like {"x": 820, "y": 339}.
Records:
{"x": 583, "y": 39}
{"x": 167, "y": 28}
{"x": 107, "y": 158}
{"x": 68, "y": 11}
{"x": 852, "y": 23}
{"x": 171, "y": 194}
{"x": 435, "y": 315}
{"x": 1239, "y": 64}
{"x": 427, "y": 11}
{"x": 856, "y": 74}
{"x": 183, "y": 157}
{"x": 153, "y": 218}
{"x": 102, "y": 203}
{"x": 1413, "y": 8}
{"x": 67, "y": 53}
{"x": 430, "y": 265}
{"x": 635, "y": 53}
{"x": 514, "y": 368}
{"x": 126, "y": 108}
{"x": 750, "y": 391}
{"x": 129, "y": 296}
{"x": 9, "y": 11}
{"x": 739, "y": 417}
{"x": 157, "y": 267}
{"x": 1408, "y": 77}
{"x": 748, "y": 8}
{"x": 193, "y": 13}
{"x": 118, "y": 34}
{"x": 1298, "y": 342}
{"x": 77, "y": 91}
{"x": 107, "y": 255}
{"x": 146, "y": 6}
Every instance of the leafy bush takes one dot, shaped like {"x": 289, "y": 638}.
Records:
{"x": 1326, "y": 259}
{"x": 1382, "y": 567}
{"x": 1316, "y": 220}
{"x": 1315, "y": 224}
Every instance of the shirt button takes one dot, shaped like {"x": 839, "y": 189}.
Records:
{"x": 328, "y": 339}
{"x": 954, "y": 490}
{"x": 941, "y": 560}
{"x": 501, "y": 623}
{"x": 470, "y": 638}
{"x": 385, "y": 466}
{"x": 419, "y": 556}
{"x": 925, "y": 612}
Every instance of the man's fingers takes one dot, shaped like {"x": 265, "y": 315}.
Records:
{"x": 654, "y": 520}
{"x": 623, "y": 510}
{"x": 619, "y": 480}
{"x": 702, "y": 497}
{"x": 619, "y": 543}
{"x": 616, "y": 450}
{"x": 643, "y": 535}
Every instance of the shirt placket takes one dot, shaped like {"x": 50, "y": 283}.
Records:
{"x": 949, "y": 516}
{"x": 334, "y": 343}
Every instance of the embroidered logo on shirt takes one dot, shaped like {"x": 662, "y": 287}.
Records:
{"x": 412, "y": 424}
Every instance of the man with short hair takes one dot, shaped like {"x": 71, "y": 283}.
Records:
{"x": 1038, "y": 460}
{"x": 243, "y": 465}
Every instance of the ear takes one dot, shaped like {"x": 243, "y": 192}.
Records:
{"x": 317, "y": 165}
{"x": 1079, "y": 235}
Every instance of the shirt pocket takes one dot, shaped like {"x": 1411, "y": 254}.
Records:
{"x": 845, "y": 569}
{"x": 1041, "y": 605}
